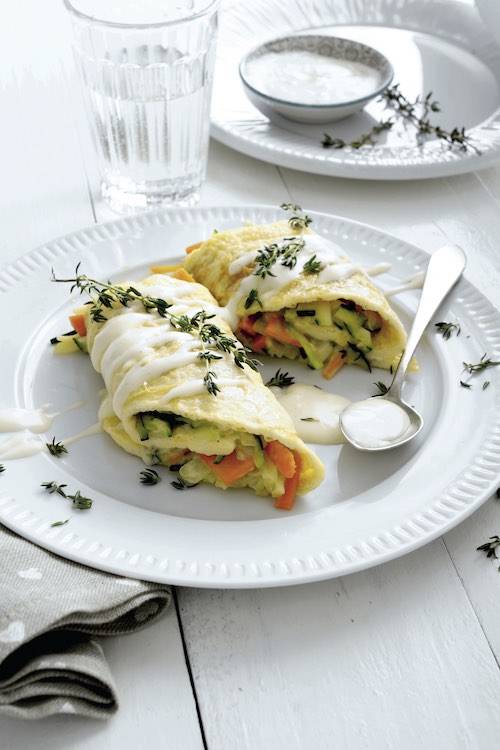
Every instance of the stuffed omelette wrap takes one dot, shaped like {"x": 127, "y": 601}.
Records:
{"x": 293, "y": 293}
{"x": 181, "y": 391}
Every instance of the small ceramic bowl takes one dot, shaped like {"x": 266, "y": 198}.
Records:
{"x": 354, "y": 54}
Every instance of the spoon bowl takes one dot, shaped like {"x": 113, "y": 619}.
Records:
{"x": 387, "y": 421}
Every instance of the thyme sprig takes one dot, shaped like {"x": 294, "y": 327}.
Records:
{"x": 297, "y": 221}
{"x": 490, "y": 547}
{"x": 312, "y": 265}
{"x": 60, "y": 523}
{"x": 383, "y": 388}
{"x": 446, "y": 329}
{"x": 366, "y": 139}
{"x": 479, "y": 366}
{"x": 150, "y": 477}
{"x": 56, "y": 449}
{"x": 414, "y": 113}
{"x": 104, "y": 295}
{"x": 2, "y": 468}
{"x": 52, "y": 487}
{"x": 280, "y": 380}
{"x": 81, "y": 502}
{"x": 181, "y": 484}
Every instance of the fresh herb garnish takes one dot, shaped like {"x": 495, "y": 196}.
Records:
{"x": 491, "y": 547}
{"x": 2, "y": 468}
{"x": 181, "y": 484}
{"x": 281, "y": 380}
{"x": 296, "y": 221}
{"x": 312, "y": 265}
{"x": 56, "y": 449}
{"x": 366, "y": 139}
{"x": 150, "y": 476}
{"x": 465, "y": 385}
{"x": 105, "y": 295}
{"x": 308, "y": 419}
{"x": 81, "y": 502}
{"x": 252, "y": 297}
{"x": 219, "y": 459}
{"x": 59, "y": 523}
{"x": 479, "y": 366}
{"x": 383, "y": 388}
{"x": 446, "y": 329}
{"x": 498, "y": 493}
{"x": 52, "y": 487}
{"x": 416, "y": 114}
{"x": 486, "y": 384}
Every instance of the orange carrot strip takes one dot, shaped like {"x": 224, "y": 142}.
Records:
{"x": 282, "y": 457}
{"x": 183, "y": 275}
{"x": 190, "y": 248}
{"x": 246, "y": 324}
{"x": 230, "y": 468}
{"x": 333, "y": 365}
{"x": 78, "y": 323}
{"x": 165, "y": 269}
{"x": 258, "y": 342}
{"x": 275, "y": 327}
{"x": 286, "y": 500}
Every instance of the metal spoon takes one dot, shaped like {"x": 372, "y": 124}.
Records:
{"x": 443, "y": 271}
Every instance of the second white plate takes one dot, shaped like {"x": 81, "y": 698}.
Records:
{"x": 441, "y": 46}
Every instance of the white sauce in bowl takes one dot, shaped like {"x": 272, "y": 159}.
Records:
{"x": 375, "y": 422}
{"x": 306, "y": 77}
{"x": 314, "y": 412}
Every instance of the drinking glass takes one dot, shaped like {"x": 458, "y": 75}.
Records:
{"x": 147, "y": 69}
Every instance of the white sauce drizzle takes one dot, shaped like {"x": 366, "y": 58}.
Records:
{"x": 375, "y": 422}
{"x": 21, "y": 446}
{"x": 378, "y": 269}
{"x": 94, "y": 429}
{"x": 335, "y": 266}
{"x": 314, "y": 412}
{"x": 415, "y": 281}
{"x": 311, "y": 78}
{"x": 129, "y": 343}
{"x": 15, "y": 419}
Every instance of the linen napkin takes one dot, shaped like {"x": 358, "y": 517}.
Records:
{"x": 50, "y": 609}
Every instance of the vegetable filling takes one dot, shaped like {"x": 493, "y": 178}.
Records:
{"x": 325, "y": 334}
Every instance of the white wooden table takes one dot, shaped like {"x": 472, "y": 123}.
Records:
{"x": 403, "y": 655}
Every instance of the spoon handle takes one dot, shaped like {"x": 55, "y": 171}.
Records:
{"x": 443, "y": 271}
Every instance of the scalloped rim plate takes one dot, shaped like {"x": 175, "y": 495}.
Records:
{"x": 368, "y": 510}
{"x": 239, "y": 125}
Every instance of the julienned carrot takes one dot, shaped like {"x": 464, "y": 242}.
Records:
{"x": 276, "y": 328}
{"x": 258, "y": 342}
{"x": 246, "y": 324}
{"x": 183, "y": 275}
{"x": 333, "y": 365}
{"x": 78, "y": 323}
{"x": 165, "y": 269}
{"x": 231, "y": 468}
{"x": 282, "y": 457}
{"x": 190, "y": 248}
{"x": 286, "y": 500}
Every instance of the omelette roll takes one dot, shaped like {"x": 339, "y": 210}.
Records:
{"x": 181, "y": 391}
{"x": 292, "y": 293}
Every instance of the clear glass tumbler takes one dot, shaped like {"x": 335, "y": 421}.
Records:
{"x": 147, "y": 69}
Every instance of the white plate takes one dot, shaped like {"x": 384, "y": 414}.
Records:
{"x": 370, "y": 508}
{"x": 441, "y": 46}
